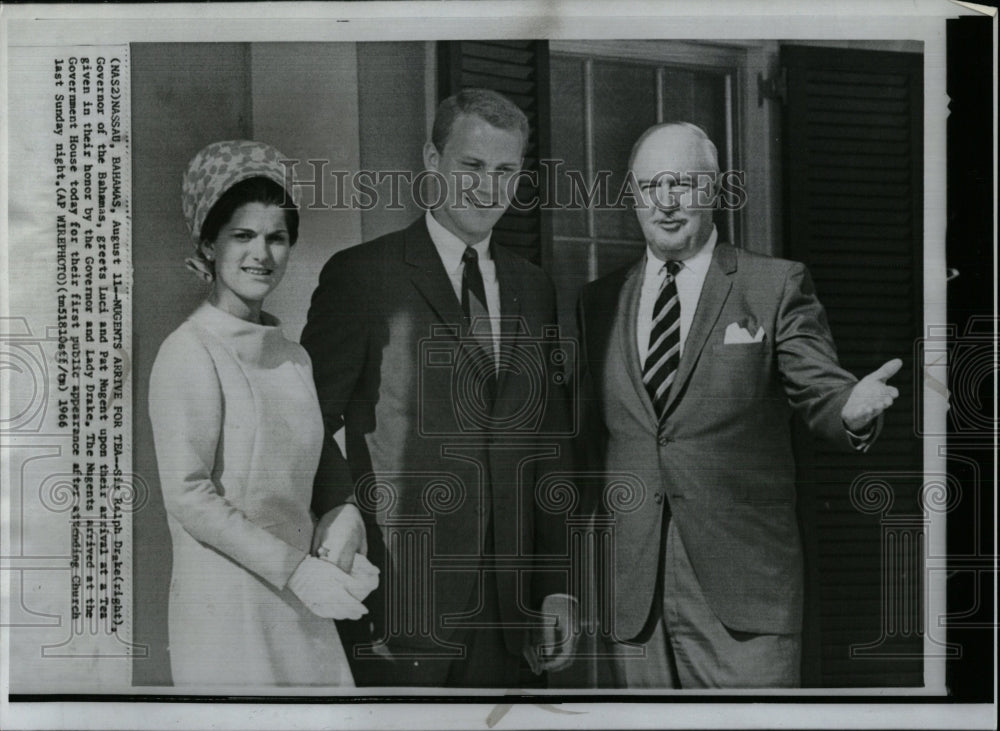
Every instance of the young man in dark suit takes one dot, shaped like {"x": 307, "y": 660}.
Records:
{"x": 432, "y": 346}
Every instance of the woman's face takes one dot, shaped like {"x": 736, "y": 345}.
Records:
{"x": 251, "y": 254}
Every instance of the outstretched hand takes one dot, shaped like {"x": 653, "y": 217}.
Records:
{"x": 870, "y": 397}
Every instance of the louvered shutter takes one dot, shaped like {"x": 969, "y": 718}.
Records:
{"x": 518, "y": 70}
{"x": 853, "y": 182}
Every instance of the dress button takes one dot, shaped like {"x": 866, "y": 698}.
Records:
{"x": 663, "y": 440}
{"x": 658, "y": 498}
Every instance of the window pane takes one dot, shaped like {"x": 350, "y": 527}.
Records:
{"x": 678, "y": 95}
{"x": 709, "y": 108}
{"x": 624, "y": 106}
{"x": 699, "y": 97}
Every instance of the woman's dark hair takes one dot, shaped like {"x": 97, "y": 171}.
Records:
{"x": 252, "y": 190}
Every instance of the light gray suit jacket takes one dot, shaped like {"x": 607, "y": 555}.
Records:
{"x": 722, "y": 456}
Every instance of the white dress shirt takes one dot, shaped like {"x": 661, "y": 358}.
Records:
{"x": 451, "y": 248}
{"x": 689, "y": 280}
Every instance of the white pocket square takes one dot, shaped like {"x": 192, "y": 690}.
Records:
{"x": 736, "y": 334}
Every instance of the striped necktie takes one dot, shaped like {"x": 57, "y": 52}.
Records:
{"x": 664, "y": 353}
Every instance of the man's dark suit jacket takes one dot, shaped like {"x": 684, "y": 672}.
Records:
{"x": 722, "y": 457}
{"x": 383, "y": 333}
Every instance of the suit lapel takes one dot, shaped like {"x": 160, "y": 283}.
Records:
{"x": 714, "y": 292}
{"x": 429, "y": 276}
{"x": 628, "y": 314}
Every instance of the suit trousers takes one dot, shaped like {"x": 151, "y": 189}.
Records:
{"x": 485, "y": 661}
{"x": 690, "y": 648}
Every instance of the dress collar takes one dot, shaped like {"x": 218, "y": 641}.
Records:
{"x": 223, "y": 323}
{"x": 450, "y": 247}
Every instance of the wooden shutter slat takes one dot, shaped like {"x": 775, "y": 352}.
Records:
{"x": 855, "y": 132}
{"x": 881, "y": 147}
{"x": 848, "y": 273}
{"x": 876, "y": 106}
{"x": 869, "y": 299}
{"x": 861, "y": 215}
{"x": 513, "y": 45}
{"x": 838, "y": 115}
{"x": 832, "y": 90}
{"x": 496, "y": 52}
{"x": 518, "y": 91}
{"x": 861, "y": 78}
{"x": 890, "y": 180}
{"x": 497, "y": 68}
{"x": 855, "y": 160}
{"x": 858, "y": 202}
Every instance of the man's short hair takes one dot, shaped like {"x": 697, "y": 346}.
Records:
{"x": 486, "y": 104}
{"x": 708, "y": 151}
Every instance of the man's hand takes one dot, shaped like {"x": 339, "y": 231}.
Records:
{"x": 339, "y": 535}
{"x": 551, "y": 645}
{"x": 870, "y": 397}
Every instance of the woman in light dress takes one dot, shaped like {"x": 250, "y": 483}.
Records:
{"x": 238, "y": 433}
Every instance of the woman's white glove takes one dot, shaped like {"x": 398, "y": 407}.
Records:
{"x": 329, "y": 592}
{"x": 364, "y": 574}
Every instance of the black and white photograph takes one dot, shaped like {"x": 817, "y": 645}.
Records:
{"x": 498, "y": 365}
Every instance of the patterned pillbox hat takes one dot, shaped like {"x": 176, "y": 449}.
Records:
{"x": 220, "y": 166}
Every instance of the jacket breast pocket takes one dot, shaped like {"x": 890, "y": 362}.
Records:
{"x": 738, "y": 371}
{"x": 740, "y": 350}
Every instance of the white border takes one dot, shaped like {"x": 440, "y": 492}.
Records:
{"x": 569, "y": 19}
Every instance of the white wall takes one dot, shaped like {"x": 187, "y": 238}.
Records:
{"x": 305, "y": 103}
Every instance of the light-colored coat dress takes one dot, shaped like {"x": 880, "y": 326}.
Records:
{"x": 238, "y": 434}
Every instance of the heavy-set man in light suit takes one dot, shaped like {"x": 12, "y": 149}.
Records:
{"x": 392, "y": 323}
{"x": 697, "y": 356}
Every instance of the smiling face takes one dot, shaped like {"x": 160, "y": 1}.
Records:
{"x": 479, "y": 165}
{"x": 674, "y": 208}
{"x": 250, "y": 255}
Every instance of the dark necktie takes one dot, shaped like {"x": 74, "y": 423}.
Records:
{"x": 477, "y": 314}
{"x": 664, "y": 355}
{"x": 473, "y": 290}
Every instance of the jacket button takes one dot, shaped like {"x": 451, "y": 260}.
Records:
{"x": 662, "y": 440}
{"x": 658, "y": 498}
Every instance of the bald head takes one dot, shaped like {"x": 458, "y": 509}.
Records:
{"x": 683, "y": 134}
{"x": 675, "y": 166}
